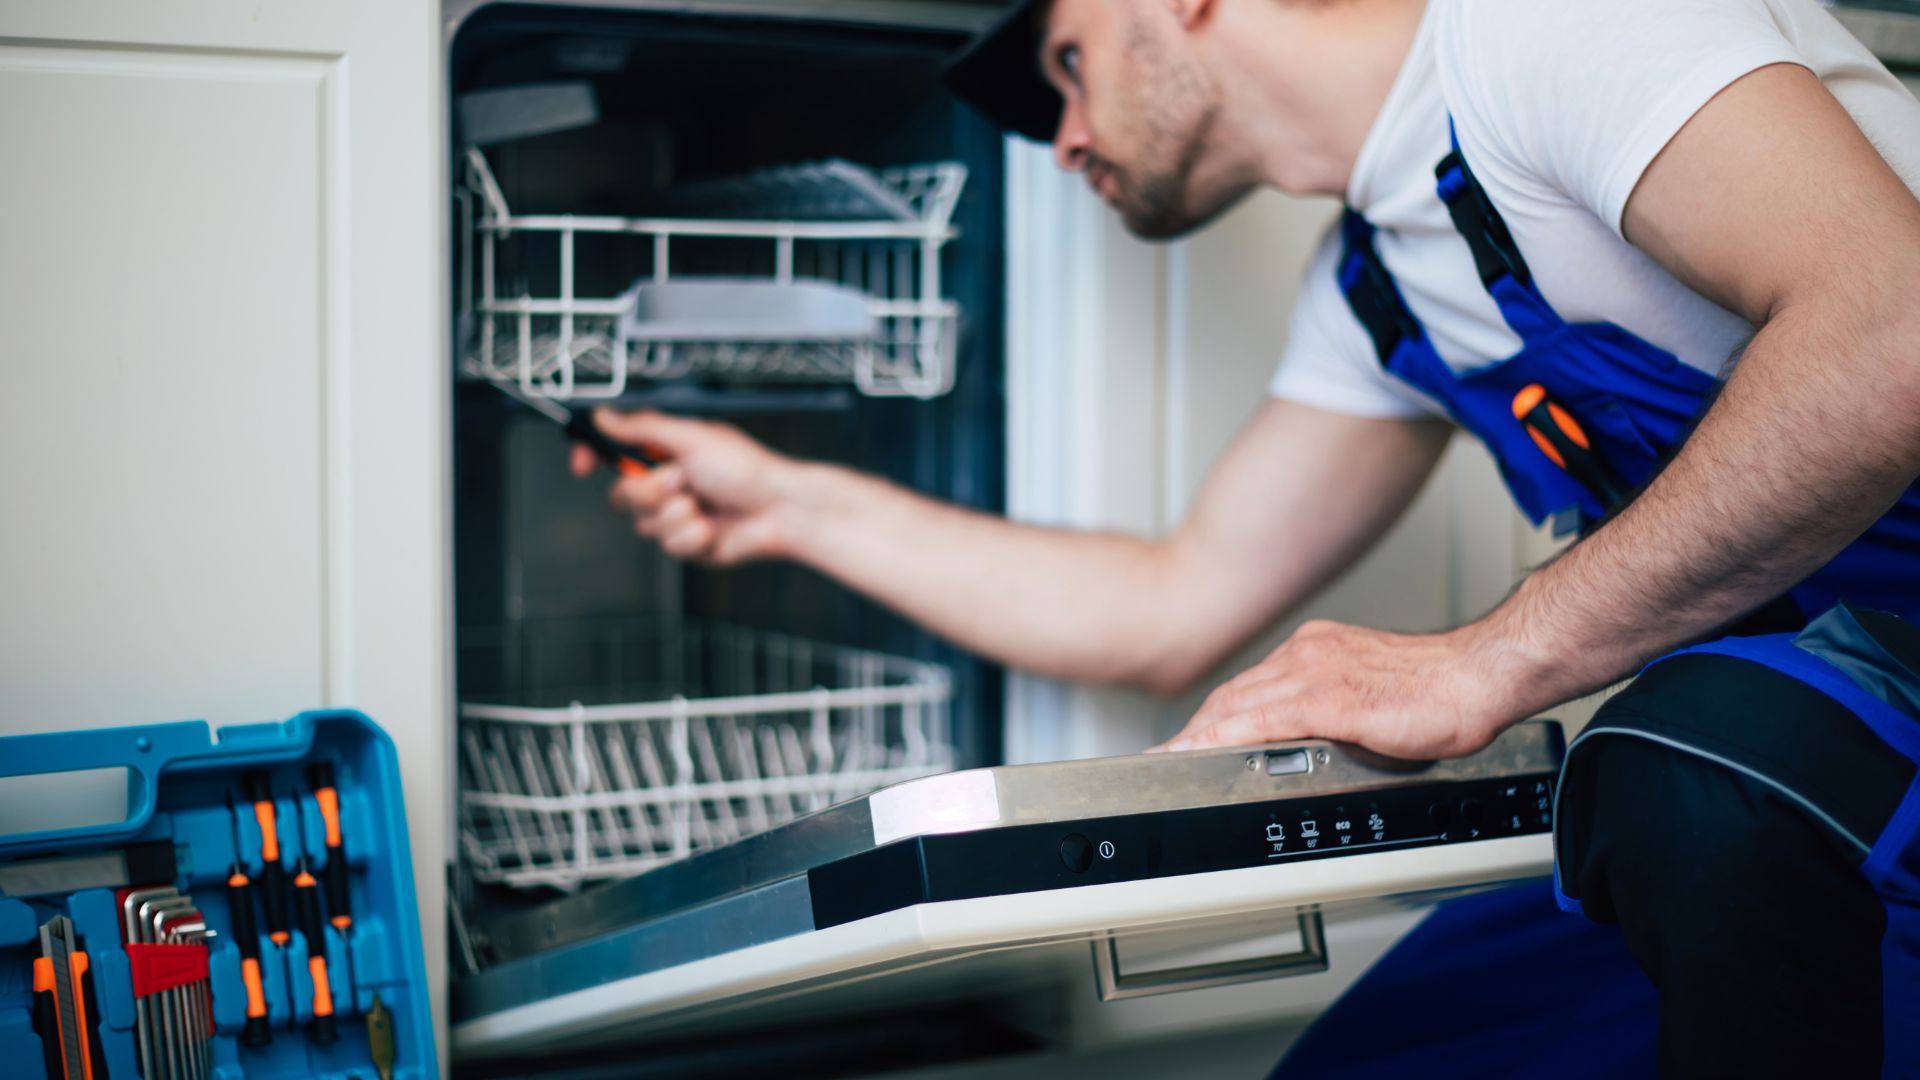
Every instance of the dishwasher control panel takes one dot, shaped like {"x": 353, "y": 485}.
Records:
{"x": 1171, "y": 843}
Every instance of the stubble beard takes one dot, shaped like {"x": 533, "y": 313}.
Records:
{"x": 1176, "y": 120}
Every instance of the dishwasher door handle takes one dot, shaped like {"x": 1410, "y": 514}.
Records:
{"x": 1116, "y": 985}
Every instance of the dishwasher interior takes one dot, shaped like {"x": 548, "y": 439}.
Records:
{"x": 784, "y": 225}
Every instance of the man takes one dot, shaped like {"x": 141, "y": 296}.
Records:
{"x": 1565, "y": 216}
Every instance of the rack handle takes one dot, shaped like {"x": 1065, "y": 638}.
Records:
{"x": 1115, "y": 985}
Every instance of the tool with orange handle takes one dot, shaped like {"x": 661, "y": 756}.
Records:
{"x": 63, "y": 1005}
{"x": 246, "y": 933}
{"x": 1565, "y": 442}
{"x": 624, "y": 459}
{"x": 306, "y": 906}
{"x": 273, "y": 872}
{"x": 339, "y": 903}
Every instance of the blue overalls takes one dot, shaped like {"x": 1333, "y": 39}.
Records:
{"x": 1613, "y": 407}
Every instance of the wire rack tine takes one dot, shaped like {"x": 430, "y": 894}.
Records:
{"x": 556, "y": 797}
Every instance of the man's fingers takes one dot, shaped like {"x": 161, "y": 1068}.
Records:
{"x": 1250, "y": 692}
{"x": 660, "y": 435}
{"x": 676, "y": 511}
{"x": 689, "y": 541}
{"x": 1251, "y": 708}
{"x": 1240, "y": 729}
{"x": 649, "y": 491}
{"x": 582, "y": 460}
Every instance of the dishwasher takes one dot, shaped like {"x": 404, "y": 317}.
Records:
{"x": 694, "y": 803}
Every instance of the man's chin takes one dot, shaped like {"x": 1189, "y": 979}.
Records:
{"x": 1155, "y": 224}
{"x": 1152, "y": 221}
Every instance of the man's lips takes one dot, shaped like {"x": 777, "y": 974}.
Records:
{"x": 1101, "y": 179}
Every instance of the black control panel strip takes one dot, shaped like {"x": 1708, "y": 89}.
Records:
{"x": 1032, "y": 858}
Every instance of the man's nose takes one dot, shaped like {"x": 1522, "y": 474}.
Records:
{"x": 1071, "y": 143}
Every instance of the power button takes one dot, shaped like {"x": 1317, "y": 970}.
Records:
{"x": 1076, "y": 852}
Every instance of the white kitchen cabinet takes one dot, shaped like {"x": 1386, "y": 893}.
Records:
{"x": 224, "y": 415}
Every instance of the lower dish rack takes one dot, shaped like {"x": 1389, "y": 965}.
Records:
{"x": 601, "y": 750}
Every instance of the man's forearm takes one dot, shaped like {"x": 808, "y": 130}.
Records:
{"x": 1066, "y": 604}
{"x": 1297, "y": 496}
{"x": 1816, "y": 434}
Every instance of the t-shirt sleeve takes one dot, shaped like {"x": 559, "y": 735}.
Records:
{"x": 1581, "y": 95}
{"x": 1328, "y": 361}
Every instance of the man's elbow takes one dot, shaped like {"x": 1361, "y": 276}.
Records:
{"x": 1172, "y": 673}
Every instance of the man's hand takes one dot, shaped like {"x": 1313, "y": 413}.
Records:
{"x": 1409, "y": 696}
{"x": 717, "y": 497}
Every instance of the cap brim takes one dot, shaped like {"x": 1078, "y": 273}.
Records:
{"x": 999, "y": 74}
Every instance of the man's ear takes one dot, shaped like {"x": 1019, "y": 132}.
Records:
{"x": 1191, "y": 13}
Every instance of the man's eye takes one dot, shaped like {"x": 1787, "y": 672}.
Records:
{"x": 1069, "y": 58}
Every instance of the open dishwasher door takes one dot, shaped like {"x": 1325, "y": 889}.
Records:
{"x": 936, "y": 885}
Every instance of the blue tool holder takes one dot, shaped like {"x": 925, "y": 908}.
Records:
{"x": 179, "y": 784}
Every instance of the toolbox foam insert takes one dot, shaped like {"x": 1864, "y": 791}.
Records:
{"x": 17, "y": 924}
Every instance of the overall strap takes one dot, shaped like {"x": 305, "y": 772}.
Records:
{"x": 1503, "y": 270}
{"x": 1371, "y": 292}
{"x": 1495, "y": 254}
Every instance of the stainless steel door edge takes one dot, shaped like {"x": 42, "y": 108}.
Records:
{"x": 752, "y": 918}
{"x": 1005, "y": 796}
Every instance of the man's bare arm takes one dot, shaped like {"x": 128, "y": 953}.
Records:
{"x": 1298, "y": 496}
{"x": 1772, "y": 202}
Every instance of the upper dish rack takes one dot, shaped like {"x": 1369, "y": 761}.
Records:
{"x": 819, "y": 272}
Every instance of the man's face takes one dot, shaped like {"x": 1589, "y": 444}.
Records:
{"x": 1138, "y": 112}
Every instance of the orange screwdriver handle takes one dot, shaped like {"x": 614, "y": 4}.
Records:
{"x": 273, "y": 873}
{"x": 622, "y": 458}
{"x": 306, "y": 899}
{"x": 339, "y": 904}
{"x": 246, "y": 934}
{"x": 1564, "y": 442}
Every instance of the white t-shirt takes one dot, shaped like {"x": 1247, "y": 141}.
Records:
{"x": 1560, "y": 106}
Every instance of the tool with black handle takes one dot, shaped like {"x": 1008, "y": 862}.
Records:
{"x": 618, "y": 456}
{"x": 273, "y": 873}
{"x": 246, "y": 933}
{"x": 258, "y": 1031}
{"x": 1560, "y": 437}
{"x": 306, "y": 906}
{"x": 339, "y": 902}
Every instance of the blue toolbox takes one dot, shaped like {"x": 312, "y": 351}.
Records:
{"x": 251, "y": 916}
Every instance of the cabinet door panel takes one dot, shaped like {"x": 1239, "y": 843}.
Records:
{"x": 162, "y": 275}
{"x": 223, "y": 422}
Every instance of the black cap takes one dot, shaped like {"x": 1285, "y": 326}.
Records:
{"x": 999, "y": 74}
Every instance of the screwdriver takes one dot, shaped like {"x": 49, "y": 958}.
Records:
{"x": 306, "y": 903}
{"x": 240, "y": 907}
{"x": 339, "y": 905}
{"x": 618, "y": 456}
{"x": 273, "y": 872}
{"x": 1564, "y": 441}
